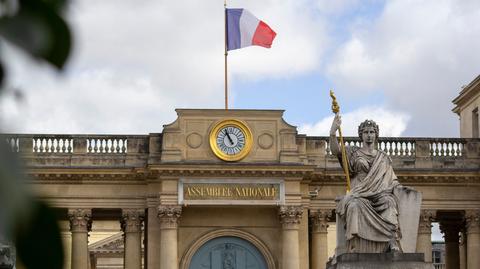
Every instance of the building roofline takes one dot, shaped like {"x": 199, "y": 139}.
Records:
{"x": 467, "y": 91}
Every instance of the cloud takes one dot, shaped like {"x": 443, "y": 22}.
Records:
{"x": 418, "y": 54}
{"x": 133, "y": 64}
{"x": 391, "y": 123}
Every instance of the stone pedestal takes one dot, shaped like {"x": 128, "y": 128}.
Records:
{"x": 132, "y": 228}
{"x": 169, "y": 216}
{"x": 290, "y": 217}
{"x": 380, "y": 261}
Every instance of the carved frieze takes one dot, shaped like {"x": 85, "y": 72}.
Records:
{"x": 132, "y": 219}
{"x": 80, "y": 219}
{"x": 169, "y": 215}
{"x": 290, "y": 216}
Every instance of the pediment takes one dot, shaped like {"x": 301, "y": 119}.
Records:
{"x": 111, "y": 244}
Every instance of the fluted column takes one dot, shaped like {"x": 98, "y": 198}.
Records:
{"x": 290, "y": 217}
{"x": 450, "y": 230}
{"x": 80, "y": 225}
{"x": 320, "y": 220}
{"x": 132, "y": 228}
{"x": 472, "y": 220}
{"x": 424, "y": 238}
{"x": 169, "y": 215}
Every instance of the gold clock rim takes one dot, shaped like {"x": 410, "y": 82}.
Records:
{"x": 248, "y": 140}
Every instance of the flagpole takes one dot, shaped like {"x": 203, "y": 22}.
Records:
{"x": 226, "y": 54}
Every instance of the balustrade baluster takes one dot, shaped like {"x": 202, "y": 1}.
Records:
{"x": 437, "y": 151}
{"x": 56, "y": 142}
{"x": 95, "y": 145}
{"x": 64, "y": 148}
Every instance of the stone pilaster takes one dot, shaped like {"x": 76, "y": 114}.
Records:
{"x": 451, "y": 230}
{"x": 319, "y": 220}
{"x": 472, "y": 221}
{"x": 80, "y": 225}
{"x": 290, "y": 217}
{"x": 131, "y": 223}
{"x": 424, "y": 238}
{"x": 169, "y": 215}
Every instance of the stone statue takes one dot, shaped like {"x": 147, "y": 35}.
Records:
{"x": 370, "y": 211}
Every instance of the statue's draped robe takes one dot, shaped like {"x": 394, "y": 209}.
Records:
{"x": 370, "y": 210}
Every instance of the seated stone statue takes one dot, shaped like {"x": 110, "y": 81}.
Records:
{"x": 369, "y": 213}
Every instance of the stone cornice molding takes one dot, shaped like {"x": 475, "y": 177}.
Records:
{"x": 80, "y": 220}
{"x": 290, "y": 216}
{"x": 90, "y": 174}
{"x": 416, "y": 177}
{"x": 472, "y": 221}
{"x": 230, "y": 170}
{"x": 320, "y": 219}
{"x": 425, "y": 223}
{"x": 132, "y": 220}
{"x": 169, "y": 215}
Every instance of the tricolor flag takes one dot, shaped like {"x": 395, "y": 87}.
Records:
{"x": 244, "y": 29}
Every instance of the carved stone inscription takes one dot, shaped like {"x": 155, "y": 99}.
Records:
{"x": 231, "y": 191}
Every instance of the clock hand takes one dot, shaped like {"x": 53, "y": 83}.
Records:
{"x": 228, "y": 135}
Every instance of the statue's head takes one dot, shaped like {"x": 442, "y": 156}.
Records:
{"x": 368, "y": 125}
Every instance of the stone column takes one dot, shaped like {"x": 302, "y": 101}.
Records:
{"x": 463, "y": 249}
{"x": 320, "y": 220}
{"x": 132, "y": 228}
{"x": 169, "y": 215}
{"x": 290, "y": 217}
{"x": 450, "y": 230}
{"x": 80, "y": 225}
{"x": 472, "y": 219}
{"x": 424, "y": 238}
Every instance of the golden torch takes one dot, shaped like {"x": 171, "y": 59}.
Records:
{"x": 336, "y": 110}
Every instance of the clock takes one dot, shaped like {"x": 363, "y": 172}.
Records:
{"x": 231, "y": 140}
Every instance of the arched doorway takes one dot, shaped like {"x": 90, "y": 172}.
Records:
{"x": 228, "y": 252}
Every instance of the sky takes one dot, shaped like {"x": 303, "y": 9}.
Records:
{"x": 398, "y": 62}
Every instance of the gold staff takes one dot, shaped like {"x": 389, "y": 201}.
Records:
{"x": 336, "y": 110}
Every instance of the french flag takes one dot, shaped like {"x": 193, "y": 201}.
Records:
{"x": 244, "y": 29}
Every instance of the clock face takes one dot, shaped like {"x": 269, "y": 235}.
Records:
{"x": 231, "y": 140}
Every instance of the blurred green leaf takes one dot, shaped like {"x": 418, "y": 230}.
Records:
{"x": 38, "y": 29}
{"x": 38, "y": 242}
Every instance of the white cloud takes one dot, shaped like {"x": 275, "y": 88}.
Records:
{"x": 391, "y": 123}
{"x": 418, "y": 53}
{"x": 133, "y": 64}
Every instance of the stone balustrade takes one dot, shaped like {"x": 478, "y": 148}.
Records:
{"x": 49, "y": 150}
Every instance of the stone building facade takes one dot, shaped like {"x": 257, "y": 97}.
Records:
{"x": 181, "y": 200}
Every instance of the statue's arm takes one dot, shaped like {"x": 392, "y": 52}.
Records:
{"x": 334, "y": 146}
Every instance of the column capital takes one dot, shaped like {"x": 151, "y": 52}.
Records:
{"x": 425, "y": 223}
{"x": 132, "y": 219}
{"x": 169, "y": 215}
{"x": 320, "y": 219}
{"x": 472, "y": 221}
{"x": 80, "y": 220}
{"x": 290, "y": 216}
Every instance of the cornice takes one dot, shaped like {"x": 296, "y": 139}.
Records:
{"x": 231, "y": 170}
{"x": 413, "y": 177}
